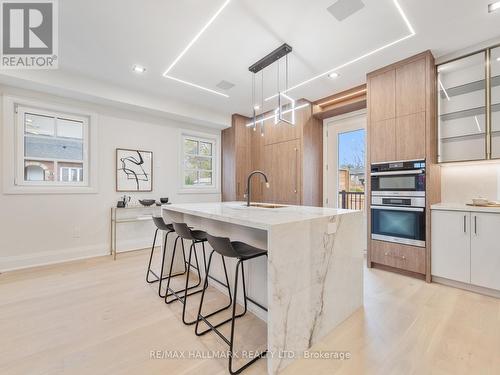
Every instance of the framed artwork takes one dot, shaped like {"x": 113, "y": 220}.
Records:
{"x": 134, "y": 170}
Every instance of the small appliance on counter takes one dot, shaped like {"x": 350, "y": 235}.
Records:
{"x": 398, "y": 202}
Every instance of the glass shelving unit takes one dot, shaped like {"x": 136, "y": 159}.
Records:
{"x": 469, "y": 107}
{"x": 462, "y": 109}
{"x": 495, "y": 102}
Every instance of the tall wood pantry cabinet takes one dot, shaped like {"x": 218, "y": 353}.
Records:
{"x": 402, "y": 125}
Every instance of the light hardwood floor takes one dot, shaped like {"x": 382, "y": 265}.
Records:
{"x": 100, "y": 317}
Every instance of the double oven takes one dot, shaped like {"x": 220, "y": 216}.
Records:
{"x": 398, "y": 202}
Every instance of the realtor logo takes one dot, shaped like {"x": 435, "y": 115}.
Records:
{"x": 29, "y": 34}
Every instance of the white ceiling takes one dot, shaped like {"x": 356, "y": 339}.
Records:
{"x": 102, "y": 40}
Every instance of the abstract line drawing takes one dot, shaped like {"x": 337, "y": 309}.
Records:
{"x": 134, "y": 170}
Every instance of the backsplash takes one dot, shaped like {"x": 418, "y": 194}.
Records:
{"x": 461, "y": 183}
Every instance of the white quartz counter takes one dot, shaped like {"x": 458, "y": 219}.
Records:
{"x": 464, "y": 207}
{"x": 254, "y": 217}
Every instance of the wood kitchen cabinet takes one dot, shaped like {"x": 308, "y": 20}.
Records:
{"x": 410, "y": 88}
{"x": 291, "y": 157}
{"x": 410, "y": 137}
{"x": 236, "y": 159}
{"x": 402, "y": 125}
{"x": 465, "y": 248}
{"x": 382, "y": 89}
{"x": 284, "y": 168}
{"x": 382, "y": 136}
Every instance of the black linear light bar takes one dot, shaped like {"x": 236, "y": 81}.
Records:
{"x": 277, "y": 54}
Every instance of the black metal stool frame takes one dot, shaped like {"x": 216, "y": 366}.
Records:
{"x": 213, "y": 328}
{"x": 157, "y": 278}
{"x": 183, "y": 298}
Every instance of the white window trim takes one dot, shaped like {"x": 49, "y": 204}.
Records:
{"x": 12, "y": 172}
{"x": 215, "y": 138}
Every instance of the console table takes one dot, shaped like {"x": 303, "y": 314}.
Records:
{"x": 134, "y": 214}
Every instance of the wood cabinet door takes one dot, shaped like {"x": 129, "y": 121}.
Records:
{"x": 485, "y": 250}
{"x": 382, "y": 94}
{"x": 410, "y": 137}
{"x": 383, "y": 141}
{"x": 410, "y": 88}
{"x": 451, "y": 255}
{"x": 268, "y": 167}
{"x": 286, "y": 172}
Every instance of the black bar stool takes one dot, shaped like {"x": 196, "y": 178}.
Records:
{"x": 167, "y": 229}
{"x": 243, "y": 252}
{"x": 195, "y": 236}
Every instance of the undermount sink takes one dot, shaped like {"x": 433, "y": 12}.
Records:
{"x": 266, "y": 205}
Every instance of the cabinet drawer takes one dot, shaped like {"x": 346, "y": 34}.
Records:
{"x": 395, "y": 255}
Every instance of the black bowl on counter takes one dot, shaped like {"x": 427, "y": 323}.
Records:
{"x": 164, "y": 200}
{"x": 147, "y": 202}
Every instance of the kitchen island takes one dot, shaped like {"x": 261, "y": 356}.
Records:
{"x": 312, "y": 279}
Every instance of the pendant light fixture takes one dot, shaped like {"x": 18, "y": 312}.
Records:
{"x": 286, "y": 104}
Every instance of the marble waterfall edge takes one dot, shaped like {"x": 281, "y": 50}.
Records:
{"x": 325, "y": 287}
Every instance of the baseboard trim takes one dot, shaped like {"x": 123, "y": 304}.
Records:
{"x": 45, "y": 258}
{"x": 464, "y": 286}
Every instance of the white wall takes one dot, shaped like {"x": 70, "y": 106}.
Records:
{"x": 40, "y": 229}
{"x": 462, "y": 182}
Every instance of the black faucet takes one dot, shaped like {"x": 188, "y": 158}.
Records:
{"x": 249, "y": 186}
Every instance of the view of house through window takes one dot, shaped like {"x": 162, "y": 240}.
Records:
{"x": 199, "y": 162}
{"x": 54, "y": 148}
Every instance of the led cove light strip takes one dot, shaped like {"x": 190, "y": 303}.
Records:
{"x": 190, "y": 44}
{"x": 197, "y": 86}
{"x": 342, "y": 97}
{"x": 444, "y": 90}
{"x": 412, "y": 33}
{"x": 260, "y": 121}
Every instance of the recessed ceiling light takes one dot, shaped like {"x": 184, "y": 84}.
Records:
{"x": 138, "y": 69}
{"x": 494, "y": 6}
{"x": 333, "y": 75}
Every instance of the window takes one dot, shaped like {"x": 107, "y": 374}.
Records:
{"x": 52, "y": 148}
{"x": 198, "y": 162}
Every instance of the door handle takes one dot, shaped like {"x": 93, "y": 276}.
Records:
{"x": 465, "y": 224}
{"x": 475, "y": 225}
{"x": 296, "y": 173}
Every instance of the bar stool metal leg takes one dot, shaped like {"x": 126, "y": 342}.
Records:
{"x": 205, "y": 286}
{"x": 150, "y": 260}
{"x": 231, "y": 341}
{"x": 175, "y": 293}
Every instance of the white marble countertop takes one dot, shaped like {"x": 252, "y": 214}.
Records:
{"x": 254, "y": 217}
{"x": 463, "y": 207}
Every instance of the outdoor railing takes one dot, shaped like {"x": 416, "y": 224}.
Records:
{"x": 354, "y": 200}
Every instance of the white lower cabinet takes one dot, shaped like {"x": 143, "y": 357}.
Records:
{"x": 485, "y": 250}
{"x": 451, "y": 245}
{"x": 466, "y": 247}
